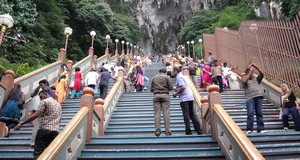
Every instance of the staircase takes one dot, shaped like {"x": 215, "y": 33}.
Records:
{"x": 276, "y": 143}
{"x": 17, "y": 146}
{"x": 130, "y": 133}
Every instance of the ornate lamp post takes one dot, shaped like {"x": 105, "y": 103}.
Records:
{"x": 200, "y": 41}
{"x": 192, "y": 42}
{"x": 122, "y": 48}
{"x": 107, "y": 37}
{"x": 188, "y": 43}
{"x": 134, "y": 50}
{"x": 116, "y": 51}
{"x": 254, "y": 28}
{"x": 68, "y": 31}
{"x": 131, "y": 50}
{"x": 93, "y": 34}
{"x": 6, "y": 21}
{"x": 127, "y": 50}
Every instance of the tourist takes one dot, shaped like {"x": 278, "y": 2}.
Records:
{"x": 10, "y": 110}
{"x": 49, "y": 114}
{"x": 77, "y": 83}
{"x": 185, "y": 93}
{"x": 160, "y": 86}
{"x": 289, "y": 106}
{"x": 254, "y": 98}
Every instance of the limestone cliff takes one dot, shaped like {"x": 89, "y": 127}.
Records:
{"x": 161, "y": 20}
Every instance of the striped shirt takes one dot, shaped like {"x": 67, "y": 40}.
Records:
{"x": 51, "y": 114}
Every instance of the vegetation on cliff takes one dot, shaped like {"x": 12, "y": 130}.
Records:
{"x": 43, "y": 22}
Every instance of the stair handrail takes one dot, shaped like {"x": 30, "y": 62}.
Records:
{"x": 236, "y": 144}
{"x": 104, "y": 108}
{"x": 71, "y": 140}
{"x": 233, "y": 141}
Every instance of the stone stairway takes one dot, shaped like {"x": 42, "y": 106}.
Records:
{"x": 276, "y": 143}
{"x": 17, "y": 146}
{"x": 130, "y": 133}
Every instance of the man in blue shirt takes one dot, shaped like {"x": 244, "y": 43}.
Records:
{"x": 184, "y": 91}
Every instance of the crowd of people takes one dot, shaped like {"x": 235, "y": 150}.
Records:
{"x": 215, "y": 72}
{"x": 45, "y": 107}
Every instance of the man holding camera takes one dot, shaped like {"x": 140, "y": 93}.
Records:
{"x": 254, "y": 98}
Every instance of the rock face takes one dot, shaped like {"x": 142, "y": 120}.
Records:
{"x": 161, "y": 21}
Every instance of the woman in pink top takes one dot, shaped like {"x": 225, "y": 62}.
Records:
{"x": 206, "y": 76}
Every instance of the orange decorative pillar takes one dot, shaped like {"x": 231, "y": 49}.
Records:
{"x": 100, "y": 112}
{"x": 91, "y": 53}
{"x": 87, "y": 100}
{"x": 121, "y": 74}
{"x": 185, "y": 71}
{"x": 62, "y": 55}
{"x": 204, "y": 109}
{"x": 214, "y": 97}
{"x": 95, "y": 62}
{"x": 7, "y": 80}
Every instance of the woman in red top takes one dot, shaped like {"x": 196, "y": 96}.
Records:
{"x": 77, "y": 83}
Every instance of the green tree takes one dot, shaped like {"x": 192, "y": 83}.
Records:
{"x": 232, "y": 16}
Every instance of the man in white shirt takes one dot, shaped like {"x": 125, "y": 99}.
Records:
{"x": 226, "y": 72}
{"x": 92, "y": 78}
{"x": 116, "y": 70}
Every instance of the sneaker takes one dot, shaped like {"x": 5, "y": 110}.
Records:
{"x": 145, "y": 88}
{"x": 248, "y": 132}
{"x": 285, "y": 128}
{"x": 262, "y": 131}
{"x": 134, "y": 90}
{"x": 157, "y": 132}
{"x": 188, "y": 133}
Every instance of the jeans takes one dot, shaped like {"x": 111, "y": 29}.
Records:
{"x": 218, "y": 80}
{"x": 43, "y": 138}
{"x": 255, "y": 104}
{"x": 103, "y": 90}
{"x": 188, "y": 113}
{"x": 74, "y": 92}
{"x": 295, "y": 114}
{"x": 146, "y": 81}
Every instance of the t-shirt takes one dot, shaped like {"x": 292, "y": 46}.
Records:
{"x": 290, "y": 101}
{"x": 216, "y": 71}
{"x": 186, "y": 94}
{"x": 252, "y": 87}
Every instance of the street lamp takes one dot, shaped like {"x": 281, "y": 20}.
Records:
{"x": 254, "y": 28}
{"x": 93, "y": 34}
{"x": 127, "y": 50}
{"x": 200, "y": 41}
{"x": 6, "y": 21}
{"x": 68, "y": 31}
{"x": 188, "y": 43}
{"x": 131, "y": 49}
{"x": 116, "y": 51}
{"x": 107, "y": 37}
{"x": 122, "y": 48}
{"x": 134, "y": 50}
{"x": 192, "y": 42}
